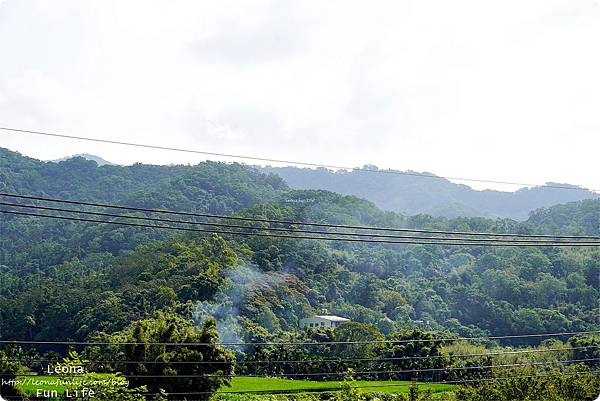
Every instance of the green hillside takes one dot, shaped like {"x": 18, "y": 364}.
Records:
{"x": 62, "y": 280}
{"x": 537, "y": 289}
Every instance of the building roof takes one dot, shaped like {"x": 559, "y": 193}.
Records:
{"x": 333, "y": 318}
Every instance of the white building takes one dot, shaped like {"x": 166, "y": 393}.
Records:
{"x": 329, "y": 321}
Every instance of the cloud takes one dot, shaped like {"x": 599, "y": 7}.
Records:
{"x": 485, "y": 90}
{"x": 273, "y": 35}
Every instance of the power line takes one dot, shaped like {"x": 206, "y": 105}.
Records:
{"x": 290, "y": 222}
{"x": 433, "y": 242}
{"x": 404, "y": 371}
{"x": 287, "y": 343}
{"x": 278, "y": 229}
{"x": 368, "y": 386}
{"x": 419, "y": 357}
{"x": 264, "y": 159}
{"x": 367, "y": 372}
{"x": 309, "y": 361}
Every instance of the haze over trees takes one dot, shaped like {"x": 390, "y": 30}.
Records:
{"x": 410, "y": 194}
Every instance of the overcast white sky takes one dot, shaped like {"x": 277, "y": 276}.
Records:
{"x": 504, "y": 90}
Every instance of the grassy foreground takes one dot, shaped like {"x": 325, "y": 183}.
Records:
{"x": 262, "y": 385}
{"x": 266, "y": 384}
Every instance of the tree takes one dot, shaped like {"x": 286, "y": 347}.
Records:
{"x": 367, "y": 336}
{"x": 573, "y": 384}
{"x": 367, "y": 292}
{"x": 410, "y": 344}
{"x": 100, "y": 387}
{"x": 214, "y": 364}
{"x": 587, "y": 347}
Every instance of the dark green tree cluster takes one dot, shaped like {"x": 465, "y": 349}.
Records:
{"x": 527, "y": 384}
{"x": 199, "y": 365}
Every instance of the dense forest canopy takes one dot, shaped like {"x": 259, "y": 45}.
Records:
{"x": 120, "y": 274}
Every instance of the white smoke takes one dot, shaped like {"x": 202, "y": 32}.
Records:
{"x": 225, "y": 308}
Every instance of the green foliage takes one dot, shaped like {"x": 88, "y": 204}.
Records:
{"x": 587, "y": 348}
{"x": 575, "y": 218}
{"x": 366, "y": 335}
{"x": 349, "y": 392}
{"x": 573, "y": 385}
{"x": 201, "y": 346}
{"x": 8, "y": 370}
{"x": 65, "y": 303}
{"x": 426, "y": 353}
{"x": 107, "y": 387}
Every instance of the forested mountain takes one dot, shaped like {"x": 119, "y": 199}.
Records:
{"x": 406, "y": 194}
{"x": 410, "y": 194}
{"x": 468, "y": 290}
{"x": 209, "y": 187}
{"x": 75, "y": 280}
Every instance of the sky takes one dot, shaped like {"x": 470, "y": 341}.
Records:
{"x": 497, "y": 90}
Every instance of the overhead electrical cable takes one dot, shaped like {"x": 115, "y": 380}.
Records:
{"x": 339, "y": 239}
{"x": 366, "y": 372}
{"x": 278, "y": 229}
{"x": 405, "y": 371}
{"x": 362, "y": 386}
{"x": 265, "y": 159}
{"x": 303, "y": 343}
{"x": 309, "y": 361}
{"x": 290, "y": 222}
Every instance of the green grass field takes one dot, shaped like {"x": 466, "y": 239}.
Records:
{"x": 263, "y": 385}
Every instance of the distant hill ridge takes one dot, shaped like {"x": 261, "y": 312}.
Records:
{"x": 100, "y": 161}
{"x": 410, "y": 194}
{"x": 226, "y": 188}
{"x": 208, "y": 187}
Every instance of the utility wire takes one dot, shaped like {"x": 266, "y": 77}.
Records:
{"x": 289, "y": 222}
{"x": 368, "y": 386}
{"x": 433, "y": 242}
{"x": 285, "y": 343}
{"x": 264, "y": 159}
{"x": 277, "y": 229}
{"x": 366, "y": 372}
{"x": 309, "y": 361}
{"x": 404, "y": 371}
